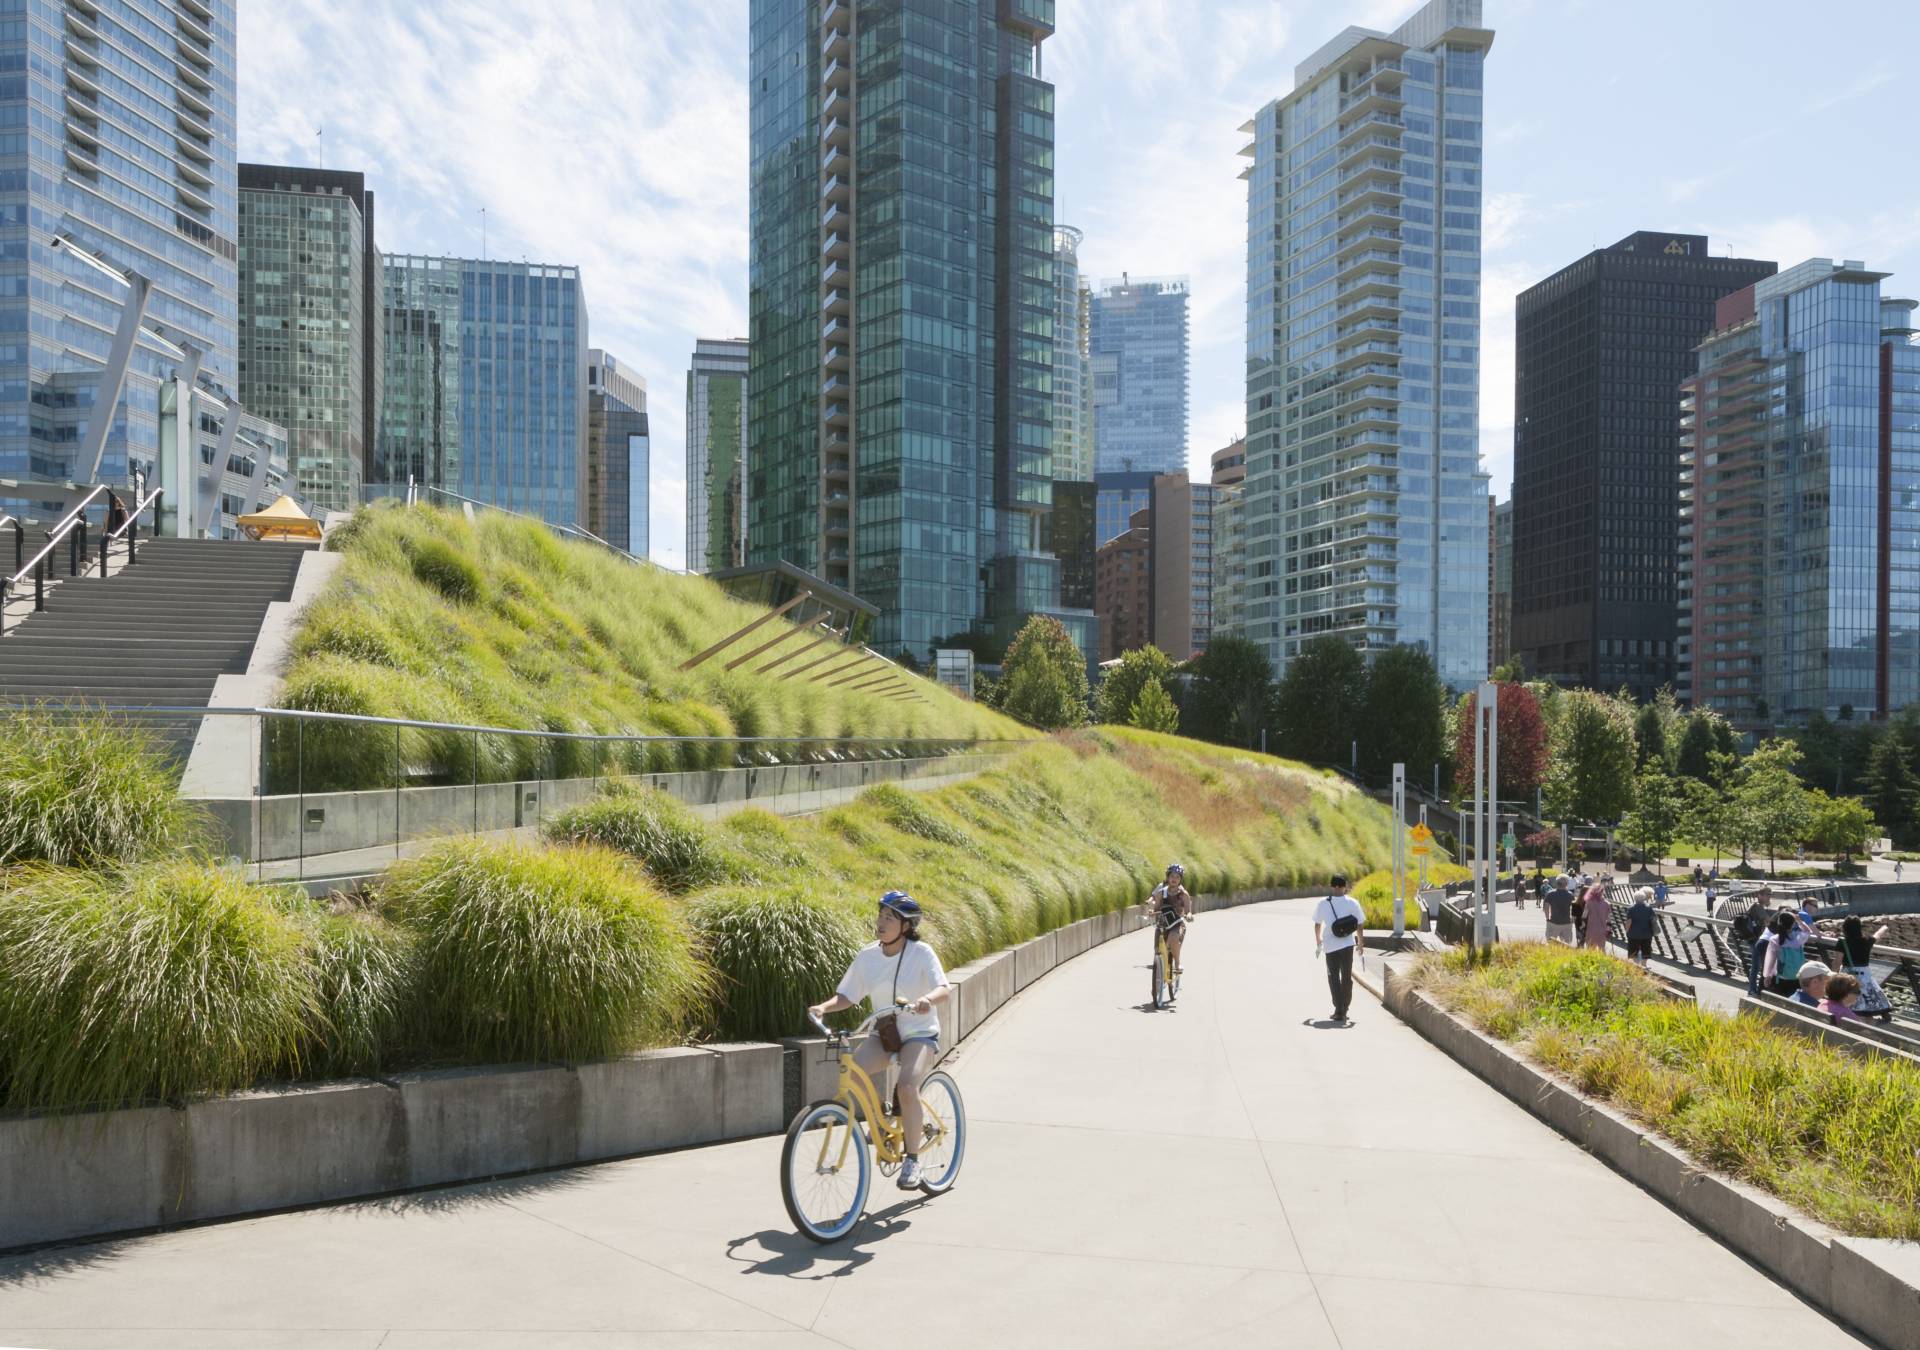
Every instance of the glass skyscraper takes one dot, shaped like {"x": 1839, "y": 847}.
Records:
{"x": 619, "y": 454}
{"x": 716, "y": 455}
{"x": 485, "y": 391}
{"x": 120, "y": 117}
{"x": 1137, "y": 344}
{"x": 1800, "y": 520}
{"x": 310, "y": 322}
{"x": 1366, "y": 506}
{"x": 900, "y": 401}
{"x": 1072, "y": 366}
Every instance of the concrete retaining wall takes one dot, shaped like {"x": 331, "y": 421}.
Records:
{"x": 282, "y": 827}
{"x": 1870, "y": 1284}
{"x": 93, "y": 1174}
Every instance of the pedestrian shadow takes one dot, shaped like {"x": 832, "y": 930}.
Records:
{"x": 1325, "y": 1024}
{"x": 797, "y": 1257}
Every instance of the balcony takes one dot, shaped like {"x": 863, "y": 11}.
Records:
{"x": 1361, "y": 374}
{"x": 1375, "y": 149}
{"x": 835, "y": 330}
{"x": 836, "y": 14}
{"x": 1359, "y": 239}
{"x": 834, "y": 415}
{"x": 193, "y": 28}
{"x": 191, "y": 53}
{"x": 191, "y": 198}
{"x": 837, "y": 75}
{"x": 193, "y": 126}
{"x": 191, "y": 74}
{"x": 1372, "y": 97}
{"x": 195, "y": 103}
{"x": 834, "y": 246}
{"x": 835, "y": 388}
{"x": 838, "y": 190}
{"x": 1377, "y": 210}
{"x": 192, "y": 149}
{"x": 836, "y": 131}
{"x": 835, "y": 359}
{"x": 1381, "y": 190}
{"x": 79, "y": 28}
{"x": 193, "y": 173}
{"x": 1377, "y": 260}
{"x": 834, "y": 302}
{"x": 835, "y": 161}
{"x": 835, "y": 273}
{"x": 1378, "y": 122}
{"x": 833, "y": 43}
{"x": 1364, "y": 329}
{"x": 1352, "y": 172}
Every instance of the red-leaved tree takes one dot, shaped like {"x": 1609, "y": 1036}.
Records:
{"x": 1523, "y": 743}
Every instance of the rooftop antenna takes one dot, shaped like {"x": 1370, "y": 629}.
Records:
{"x": 483, "y": 234}
{"x": 320, "y": 146}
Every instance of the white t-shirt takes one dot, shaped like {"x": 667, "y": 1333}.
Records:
{"x": 871, "y": 976}
{"x": 1331, "y": 908}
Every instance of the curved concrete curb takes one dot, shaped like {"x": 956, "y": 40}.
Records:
{"x": 91, "y": 1175}
{"x": 1869, "y": 1284}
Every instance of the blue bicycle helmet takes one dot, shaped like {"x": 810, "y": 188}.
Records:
{"x": 902, "y": 904}
{"x": 1176, "y": 867}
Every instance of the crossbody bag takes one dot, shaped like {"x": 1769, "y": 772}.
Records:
{"x": 887, "y": 1027}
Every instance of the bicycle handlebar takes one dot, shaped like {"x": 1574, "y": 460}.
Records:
{"x": 860, "y": 1030}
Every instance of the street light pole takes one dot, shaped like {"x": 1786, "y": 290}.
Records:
{"x": 1399, "y": 849}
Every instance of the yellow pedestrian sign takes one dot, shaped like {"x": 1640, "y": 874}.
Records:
{"x": 1422, "y": 840}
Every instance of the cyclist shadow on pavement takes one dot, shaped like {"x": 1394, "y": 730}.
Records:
{"x": 1325, "y": 1024}
{"x": 798, "y": 1257}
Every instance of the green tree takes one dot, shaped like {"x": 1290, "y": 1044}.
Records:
{"x": 1316, "y": 707}
{"x": 1043, "y": 681}
{"x": 1841, "y": 825}
{"x": 1120, "y": 687}
{"x": 1725, "y": 740}
{"x": 1658, "y": 812}
{"x": 1154, "y": 710}
{"x": 1232, "y": 683}
{"x": 1776, "y": 805}
{"x": 1590, "y": 776}
{"x": 1401, "y": 715}
{"x": 1693, "y": 757}
{"x": 1650, "y": 737}
{"x": 1707, "y": 815}
{"x": 1892, "y": 789}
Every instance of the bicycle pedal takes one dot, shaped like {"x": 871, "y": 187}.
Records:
{"x": 887, "y": 1169}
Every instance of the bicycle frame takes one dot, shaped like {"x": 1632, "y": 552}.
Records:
{"x": 860, "y": 1095}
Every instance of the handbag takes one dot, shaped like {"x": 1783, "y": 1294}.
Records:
{"x": 887, "y": 1027}
{"x": 1346, "y": 925}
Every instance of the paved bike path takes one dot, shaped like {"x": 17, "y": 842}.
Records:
{"x": 1218, "y": 1175}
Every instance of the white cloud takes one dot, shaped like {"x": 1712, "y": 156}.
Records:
{"x": 587, "y": 137}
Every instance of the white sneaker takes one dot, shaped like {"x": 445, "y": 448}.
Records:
{"x": 910, "y": 1174}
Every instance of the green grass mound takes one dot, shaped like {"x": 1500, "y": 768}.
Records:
{"x": 530, "y": 953}
{"x": 168, "y": 980}
{"x": 679, "y": 852}
{"x": 494, "y": 622}
{"x": 777, "y": 951}
{"x": 87, "y": 792}
{"x": 1837, "y": 1137}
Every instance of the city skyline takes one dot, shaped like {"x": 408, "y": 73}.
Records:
{"x": 657, "y": 212}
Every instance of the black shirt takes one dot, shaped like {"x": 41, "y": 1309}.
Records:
{"x": 1559, "y": 906}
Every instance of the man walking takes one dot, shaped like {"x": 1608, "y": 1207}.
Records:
{"x": 1559, "y": 907}
{"x": 1337, "y": 934}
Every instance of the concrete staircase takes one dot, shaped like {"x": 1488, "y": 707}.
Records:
{"x": 157, "y": 634}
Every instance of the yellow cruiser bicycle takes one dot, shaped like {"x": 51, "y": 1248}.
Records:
{"x": 1166, "y": 976}
{"x": 824, "y": 1169}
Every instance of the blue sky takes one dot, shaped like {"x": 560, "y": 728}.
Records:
{"x": 613, "y": 134}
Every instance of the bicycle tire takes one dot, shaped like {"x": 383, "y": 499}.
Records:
{"x": 940, "y": 1170}
{"x": 1159, "y": 976}
{"x": 829, "y": 1227}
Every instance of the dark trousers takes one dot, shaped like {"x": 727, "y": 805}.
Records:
{"x": 1758, "y": 964}
{"x": 1340, "y": 980}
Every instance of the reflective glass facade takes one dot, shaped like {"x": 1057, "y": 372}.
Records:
{"x": 1802, "y": 513}
{"x": 1117, "y": 497}
{"x": 116, "y": 128}
{"x": 716, "y": 458}
{"x": 900, "y": 400}
{"x": 309, "y": 350}
{"x": 1366, "y": 506}
{"x": 618, "y": 453}
{"x": 1072, "y": 366}
{"x": 485, "y": 387}
{"x": 1137, "y": 343}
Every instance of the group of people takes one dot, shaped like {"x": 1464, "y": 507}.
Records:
{"x": 1778, "y": 960}
{"x": 1578, "y": 911}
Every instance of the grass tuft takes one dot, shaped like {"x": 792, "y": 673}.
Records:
{"x": 776, "y": 950}
{"x": 678, "y": 850}
{"x": 169, "y": 980}
{"x": 1835, "y": 1136}
{"x": 364, "y": 980}
{"x": 530, "y": 953}
{"x": 88, "y": 791}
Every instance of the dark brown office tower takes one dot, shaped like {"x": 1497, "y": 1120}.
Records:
{"x": 1600, "y": 347}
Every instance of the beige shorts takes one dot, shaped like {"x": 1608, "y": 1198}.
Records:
{"x": 1560, "y": 932}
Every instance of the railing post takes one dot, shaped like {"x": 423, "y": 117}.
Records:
{"x": 396, "y": 793}
{"x": 300, "y": 779}
{"x": 40, "y": 584}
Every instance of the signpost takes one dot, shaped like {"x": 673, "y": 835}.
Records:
{"x": 1486, "y": 797}
{"x": 1399, "y": 849}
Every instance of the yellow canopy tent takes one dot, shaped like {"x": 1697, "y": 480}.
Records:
{"x": 283, "y": 520}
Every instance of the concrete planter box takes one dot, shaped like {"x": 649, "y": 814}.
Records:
{"x": 1871, "y": 1285}
{"x": 94, "y": 1174}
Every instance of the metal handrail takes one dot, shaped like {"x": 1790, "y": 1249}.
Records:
{"x": 132, "y": 522}
{"x": 76, "y": 518}
{"x": 409, "y": 724}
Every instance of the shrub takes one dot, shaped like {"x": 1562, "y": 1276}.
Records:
{"x": 437, "y": 564}
{"x": 676, "y": 848}
{"x": 1374, "y": 891}
{"x": 777, "y": 951}
{"x": 87, "y": 791}
{"x": 363, "y": 985}
{"x": 543, "y": 953}
{"x": 171, "y": 979}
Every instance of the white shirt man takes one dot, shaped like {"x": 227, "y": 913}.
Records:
{"x": 1339, "y": 911}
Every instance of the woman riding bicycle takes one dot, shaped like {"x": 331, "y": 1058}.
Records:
{"x": 1170, "y": 900}
{"x": 904, "y": 979}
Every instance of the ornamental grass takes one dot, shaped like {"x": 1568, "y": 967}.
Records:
{"x": 87, "y": 791}
{"x": 1835, "y": 1136}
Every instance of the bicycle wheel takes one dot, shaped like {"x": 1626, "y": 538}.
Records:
{"x": 1160, "y": 996}
{"x": 825, "y": 1172}
{"x": 940, "y": 1155}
